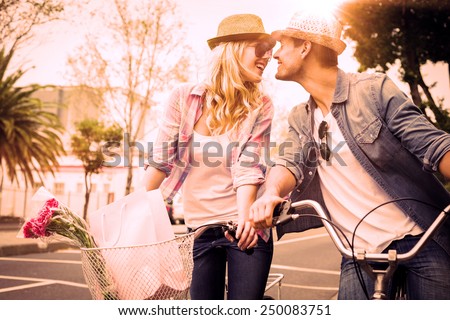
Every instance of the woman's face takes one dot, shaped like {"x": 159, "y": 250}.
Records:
{"x": 255, "y": 58}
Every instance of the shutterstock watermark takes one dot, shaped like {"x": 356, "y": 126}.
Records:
{"x": 215, "y": 154}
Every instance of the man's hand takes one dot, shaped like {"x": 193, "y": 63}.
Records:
{"x": 261, "y": 212}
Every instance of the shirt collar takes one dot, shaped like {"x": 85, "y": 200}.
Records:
{"x": 199, "y": 89}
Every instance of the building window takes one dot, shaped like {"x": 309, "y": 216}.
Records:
{"x": 37, "y": 185}
{"x": 93, "y": 187}
{"x": 80, "y": 187}
{"x": 106, "y": 187}
{"x": 58, "y": 188}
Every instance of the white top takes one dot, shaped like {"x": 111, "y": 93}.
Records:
{"x": 350, "y": 193}
{"x": 208, "y": 191}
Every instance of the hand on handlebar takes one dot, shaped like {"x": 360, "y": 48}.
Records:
{"x": 261, "y": 212}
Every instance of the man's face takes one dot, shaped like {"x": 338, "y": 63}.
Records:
{"x": 289, "y": 59}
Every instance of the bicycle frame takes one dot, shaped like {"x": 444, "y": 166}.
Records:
{"x": 380, "y": 276}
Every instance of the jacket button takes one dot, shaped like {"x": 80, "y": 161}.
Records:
{"x": 310, "y": 173}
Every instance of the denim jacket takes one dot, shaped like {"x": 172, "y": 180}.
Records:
{"x": 389, "y": 136}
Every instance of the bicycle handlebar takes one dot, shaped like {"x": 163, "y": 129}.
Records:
{"x": 284, "y": 212}
{"x": 229, "y": 226}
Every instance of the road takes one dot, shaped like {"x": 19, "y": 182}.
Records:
{"x": 308, "y": 261}
{"x": 310, "y": 264}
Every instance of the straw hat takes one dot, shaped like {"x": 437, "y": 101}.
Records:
{"x": 240, "y": 27}
{"x": 321, "y": 29}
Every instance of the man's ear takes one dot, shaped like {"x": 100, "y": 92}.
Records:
{"x": 305, "y": 48}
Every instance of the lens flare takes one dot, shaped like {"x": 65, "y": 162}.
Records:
{"x": 323, "y": 7}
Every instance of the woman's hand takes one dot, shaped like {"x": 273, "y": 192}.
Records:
{"x": 245, "y": 235}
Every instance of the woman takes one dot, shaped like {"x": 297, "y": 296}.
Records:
{"x": 210, "y": 145}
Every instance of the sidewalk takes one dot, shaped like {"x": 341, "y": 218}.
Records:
{"x": 10, "y": 245}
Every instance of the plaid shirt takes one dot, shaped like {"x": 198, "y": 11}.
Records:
{"x": 171, "y": 154}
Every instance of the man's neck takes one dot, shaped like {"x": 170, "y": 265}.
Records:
{"x": 321, "y": 84}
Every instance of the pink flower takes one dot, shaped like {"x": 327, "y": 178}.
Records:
{"x": 57, "y": 221}
{"x": 37, "y": 227}
{"x": 28, "y": 230}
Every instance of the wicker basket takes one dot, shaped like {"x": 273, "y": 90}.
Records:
{"x": 159, "y": 271}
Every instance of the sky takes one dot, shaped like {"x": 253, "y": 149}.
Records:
{"x": 46, "y": 57}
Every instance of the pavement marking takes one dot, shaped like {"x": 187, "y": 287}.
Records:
{"x": 296, "y": 286}
{"x": 310, "y": 270}
{"x": 38, "y": 282}
{"x": 290, "y": 268}
{"x": 40, "y": 260}
{"x": 281, "y": 242}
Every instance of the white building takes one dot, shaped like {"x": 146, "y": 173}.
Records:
{"x": 74, "y": 104}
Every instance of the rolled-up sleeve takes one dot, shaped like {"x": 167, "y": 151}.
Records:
{"x": 407, "y": 122}
{"x": 434, "y": 154}
{"x": 249, "y": 168}
{"x": 289, "y": 151}
{"x": 163, "y": 151}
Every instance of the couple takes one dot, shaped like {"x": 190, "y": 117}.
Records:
{"x": 369, "y": 144}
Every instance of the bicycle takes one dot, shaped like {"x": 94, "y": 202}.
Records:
{"x": 285, "y": 212}
{"x": 157, "y": 271}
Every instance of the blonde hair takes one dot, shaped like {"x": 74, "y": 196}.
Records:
{"x": 228, "y": 98}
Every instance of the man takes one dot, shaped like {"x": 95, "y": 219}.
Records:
{"x": 357, "y": 143}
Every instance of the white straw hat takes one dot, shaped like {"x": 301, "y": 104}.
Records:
{"x": 318, "y": 28}
{"x": 239, "y": 27}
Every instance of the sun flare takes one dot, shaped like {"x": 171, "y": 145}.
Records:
{"x": 324, "y": 7}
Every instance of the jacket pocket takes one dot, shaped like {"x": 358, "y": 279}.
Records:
{"x": 370, "y": 133}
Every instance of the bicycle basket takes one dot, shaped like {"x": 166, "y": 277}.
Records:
{"x": 159, "y": 271}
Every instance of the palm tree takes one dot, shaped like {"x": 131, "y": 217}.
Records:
{"x": 29, "y": 135}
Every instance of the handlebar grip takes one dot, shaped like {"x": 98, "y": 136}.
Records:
{"x": 282, "y": 213}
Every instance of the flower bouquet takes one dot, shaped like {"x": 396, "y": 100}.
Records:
{"x": 56, "y": 221}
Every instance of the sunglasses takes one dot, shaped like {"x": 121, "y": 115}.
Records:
{"x": 325, "y": 151}
{"x": 261, "y": 49}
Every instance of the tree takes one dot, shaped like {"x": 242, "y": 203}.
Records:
{"x": 87, "y": 146}
{"x": 411, "y": 32}
{"x": 19, "y": 17}
{"x": 134, "y": 54}
{"x": 29, "y": 135}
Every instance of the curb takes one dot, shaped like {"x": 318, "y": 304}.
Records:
{"x": 9, "y": 247}
{"x": 22, "y": 249}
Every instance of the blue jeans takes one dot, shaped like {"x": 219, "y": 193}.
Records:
{"x": 247, "y": 273}
{"x": 427, "y": 274}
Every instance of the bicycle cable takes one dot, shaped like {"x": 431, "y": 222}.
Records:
{"x": 356, "y": 265}
{"x": 351, "y": 244}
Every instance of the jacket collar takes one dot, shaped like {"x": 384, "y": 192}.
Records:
{"x": 340, "y": 92}
{"x": 342, "y": 87}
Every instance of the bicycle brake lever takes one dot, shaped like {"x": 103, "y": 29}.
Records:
{"x": 282, "y": 213}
